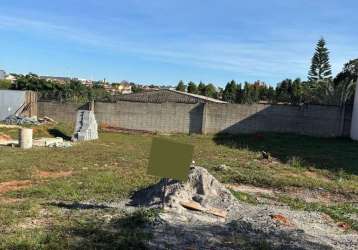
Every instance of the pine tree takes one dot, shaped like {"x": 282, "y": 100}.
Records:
{"x": 320, "y": 67}
{"x": 192, "y": 88}
{"x": 181, "y": 86}
{"x": 210, "y": 90}
{"x": 201, "y": 88}
{"x": 230, "y": 92}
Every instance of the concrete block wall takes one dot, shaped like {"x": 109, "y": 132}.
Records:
{"x": 312, "y": 120}
{"x": 315, "y": 120}
{"x": 62, "y": 112}
{"x": 165, "y": 117}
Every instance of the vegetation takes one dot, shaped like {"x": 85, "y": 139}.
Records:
{"x": 73, "y": 90}
{"x": 5, "y": 84}
{"x": 181, "y": 86}
{"x": 339, "y": 212}
{"x": 320, "y": 88}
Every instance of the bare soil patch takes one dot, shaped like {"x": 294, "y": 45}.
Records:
{"x": 14, "y": 185}
{"x": 48, "y": 174}
{"x": 4, "y": 137}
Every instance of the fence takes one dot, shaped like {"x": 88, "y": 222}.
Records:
{"x": 315, "y": 120}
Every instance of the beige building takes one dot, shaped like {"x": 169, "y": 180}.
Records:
{"x": 122, "y": 88}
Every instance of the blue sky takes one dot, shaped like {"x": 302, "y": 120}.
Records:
{"x": 164, "y": 41}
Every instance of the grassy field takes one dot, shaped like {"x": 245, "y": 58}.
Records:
{"x": 109, "y": 169}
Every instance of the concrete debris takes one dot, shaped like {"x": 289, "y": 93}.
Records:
{"x": 20, "y": 120}
{"x": 201, "y": 188}
{"x": 86, "y": 126}
{"x": 25, "y": 138}
{"x": 57, "y": 142}
{"x": 202, "y": 213}
{"x": 46, "y": 119}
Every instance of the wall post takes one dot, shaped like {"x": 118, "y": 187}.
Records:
{"x": 203, "y": 121}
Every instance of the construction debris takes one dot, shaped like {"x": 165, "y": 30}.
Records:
{"x": 46, "y": 119}
{"x": 20, "y": 120}
{"x": 86, "y": 126}
{"x": 196, "y": 206}
{"x": 57, "y": 142}
{"x": 25, "y": 138}
{"x": 202, "y": 214}
{"x": 201, "y": 193}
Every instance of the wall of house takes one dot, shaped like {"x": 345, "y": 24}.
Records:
{"x": 315, "y": 120}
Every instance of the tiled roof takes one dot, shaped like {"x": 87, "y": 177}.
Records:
{"x": 166, "y": 95}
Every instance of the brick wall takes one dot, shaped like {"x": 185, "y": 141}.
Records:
{"x": 61, "y": 112}
{"x": 165, "y": 117}
{"x": 327, "y": 121}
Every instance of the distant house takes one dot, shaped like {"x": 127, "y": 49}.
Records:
{"x": 11, "y": 78}
{"x": 167, "y": 95}
{"x": 86, "y": 82}
{"x": 122, "y": 88}
{"x": 59, "y": 79}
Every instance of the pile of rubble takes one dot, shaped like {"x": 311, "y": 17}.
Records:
{"x": 23, "y": 120}
{"x": 202, "y": 193}
{"x": 57, "y": 142}
{"x": 202, "y": 213}
{"x": 20, "y": 120}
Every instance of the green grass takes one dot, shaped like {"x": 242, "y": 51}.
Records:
{"x": 112, "y": 167}
{"x": 245, "y": 197}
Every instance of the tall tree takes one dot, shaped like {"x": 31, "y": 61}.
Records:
{"x": 192, "y": 88}
{"x": 320, "y": 69}
{"x": 201, "y": 88}
{"x": 181, "y": 86}
{"x": 210, "y": 91}
{"x": 230, "y": 92}
{"x": 344, "y": 83}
